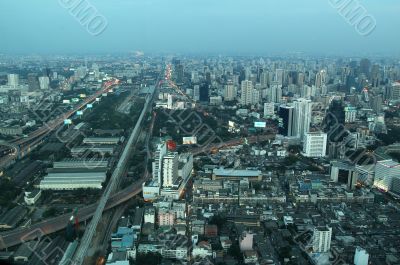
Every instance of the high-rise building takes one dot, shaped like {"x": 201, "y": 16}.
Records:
{"x": 286, "y": 113}
{"x": 315, "y": 144}
{"x": 196, "y": 92}
{"x": 264, "y": 79}
{"x": 170, "y": 102}
{"x": 322, "y": 239}
{"x": 246, "y": 93}
{"x": 376, "y": 103}
{"x": 269, "y": 110}
{"x": 33, "y": 82}
{"x": 361, "y": 256}
{"x": 170, "y": 169}
{"x": 13, "y": 80}
{"x": 157, "y": 163}
{"x": 204, "y": 95}
{"x": 44, "y": 82}
{"x": 230, "y": 91}
{"x": 275, "y": 93}
{"x": 385, "y": 171}
{"x": 279, "y": 76}
{"x": 302, "y": 117}
{"x": 350, "y": 114}
{"x": 395, "y": 91}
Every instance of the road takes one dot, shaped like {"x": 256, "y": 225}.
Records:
{"x": 90, "y": 230}
{"x": 49, "y": 226}
{"x": 22, "y": 146}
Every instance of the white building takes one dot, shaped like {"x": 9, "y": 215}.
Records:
{"x": 13, "y": 80}
{"x": 44, "y": 82}
{"x": 315, "y": 144}
{"x": 385, "y": 171}
{"x": 185, "y": 165}
{"x": 246, "y": 93}
{"x": 157, "y": 164}
{"x": 230, "y": 91}
{"x": 170, "y": 169}
{"x": 269, "y": 109}
{"x": 361, "y": 256}
{"x": 322, "y": 239}
{"x": 72, "y": 181}
{"x": 302, "y": 117}
{"x": 275, "y": 93}
{"x": 166, "y": 217}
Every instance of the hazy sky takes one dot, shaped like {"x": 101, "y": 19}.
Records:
{"x": 198, "y": 26}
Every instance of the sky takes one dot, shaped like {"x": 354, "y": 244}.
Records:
{"x": 198, "y": 27}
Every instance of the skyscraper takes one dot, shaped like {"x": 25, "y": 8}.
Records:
{"x": 322, "y": 239}
{"x": 170, "y": 169}
{"x": 275, "y": 92}
{"x": 286, "y": 114}
{"x": 385, "y": 171}
{"x": 229, "y": 91}
{"x": 302, "y": 117}
{"x": 204, "y": 95}
{"x": 246, "y": 93}
{"x": 269, "y": 109}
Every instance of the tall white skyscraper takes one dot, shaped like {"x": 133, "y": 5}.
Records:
{"x": 322, "y": 239}
{"x": 170, "y": 102}
{"x": 302, "y": 117}
{"x": 314, "y": 144}
{"x": 170, "y": 169}
{"x": 230, "y": 91}
{"x": 44, "y": 82}
{"x": 247, "y": 92}
{"x": 157, "y": 163}
{"x": 13, "y": 80}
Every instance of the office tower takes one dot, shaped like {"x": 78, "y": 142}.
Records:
{"x": 385, "y": 171}
{"x": 179, "y": 73}
{"x": 302, "y": 117}
{"x": 315, "y": 144}
{"x": 194, "y": 77}
{"x": 44, "y": 82}
{"x": 33, "y": 82}
{"x": 395, "y": 95}
{"x": 300, "y": 79}
{"x": 361, "y": 256}
{"x": 320, "y": 78}
{"x": 204, "y": 92}
{"x": 375, "y": 76}
{"x": 246, "y": 93}
{"x": 264, "y": 79}
{"x": 269, "y": 109}
{"x": 275, "y": 93}
{"x": 229, "y": 91}
{"x": 287, "y": 115}
{"x": 13, "y": 80}
{"x": 170, "y": 169}
{"x": 196, "y": 92}
{"x": 322, "y": 239}
{"x": 344, "y": 173}
{"x": 376, "y": 103}
{"x": 279, "y": 76}
{"x": 157, "y": 163}
{"x": 365, "y": 66}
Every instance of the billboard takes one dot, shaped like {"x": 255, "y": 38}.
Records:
{"x": 89, "y": 106}
{"x": 97, "y": 99}
{"x": 189, "y": 140}
{"x": 82, "y": 95}
{"x": 67, "y": 121}
{"x": 66, "y": 101}
{"x": 75, "y": 100}
{"x": 260, "y": 124}
{"x": 79, "y": 113}
{"x": 231, "y": 124}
